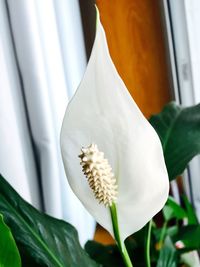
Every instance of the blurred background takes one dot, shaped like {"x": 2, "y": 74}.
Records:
{"x": 44, "y": 49}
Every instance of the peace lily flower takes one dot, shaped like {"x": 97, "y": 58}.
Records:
{"x": 102, "y": 118}
{"x": 99, "y": 174}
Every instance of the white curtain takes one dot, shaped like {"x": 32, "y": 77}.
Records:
{"x": 42, "y": 61}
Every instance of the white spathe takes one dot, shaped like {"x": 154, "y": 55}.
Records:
{"x": 103, "y": 112}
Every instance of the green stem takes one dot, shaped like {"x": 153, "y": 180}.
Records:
{"x": 147, "y": 245}
{"x": 121, "y": 245}
{"x": 163, "y": 232}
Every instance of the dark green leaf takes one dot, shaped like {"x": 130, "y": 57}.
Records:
{"x": 41, "y": 238}
{"x": 9, "y": 254}
{"x": 168, "y": 255}
{"x": 190, "y": 237}
{"x": 179, "y": 132}
{"x": 172, "y": 210}
{"x": 136, "y": 244}
{"x": 108, "y": 256}
{"x": 192, "y": 218}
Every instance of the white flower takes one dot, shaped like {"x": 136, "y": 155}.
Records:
{"x": 102, "y": 112}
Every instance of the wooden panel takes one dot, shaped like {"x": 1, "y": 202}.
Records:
{"x": 136, "y": 42}
{"x": 102, "y": 236}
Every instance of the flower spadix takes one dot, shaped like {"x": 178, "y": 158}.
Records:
{"x": 99, "y": 174}
{"x": 103, "y": 113}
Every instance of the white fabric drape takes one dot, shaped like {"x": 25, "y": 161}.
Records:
{"x": 46, "y": 34}
{"x": 16, "y": 155}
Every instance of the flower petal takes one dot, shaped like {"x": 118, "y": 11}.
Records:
{"x": 103, "y": 112}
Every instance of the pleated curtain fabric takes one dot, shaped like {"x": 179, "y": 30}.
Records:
{"x": 42, "y": 60}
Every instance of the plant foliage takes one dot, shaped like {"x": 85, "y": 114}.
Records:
{"x": 178, "y": 129}
{"x": 41, "y": 239}
{"x": 9, "y": 254}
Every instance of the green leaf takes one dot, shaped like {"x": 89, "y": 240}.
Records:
{"x": 172, "y": 230}
{"x": 190, "y": 237}
{"x": 192, "y": 218}
{"x": 168, "y": 255}
{"x": 41, "y": 238}
{"x": 108, "y": 256}
{"x": 172, "y": 210}
{"x": 9, "y": 254}
{"x": 179, "y": 132}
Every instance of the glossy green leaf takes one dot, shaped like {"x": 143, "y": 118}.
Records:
{"x": 108, "y": 256}
{"x": 179, "y": 132}
{"x": 41, "y": 238}
{"x": 172, "y": 210}
{"x": 168, "y": 255}
{"x": 189, "y": 236}
{"x": 191, "y": 215}
{"x": 9, "y": 254}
